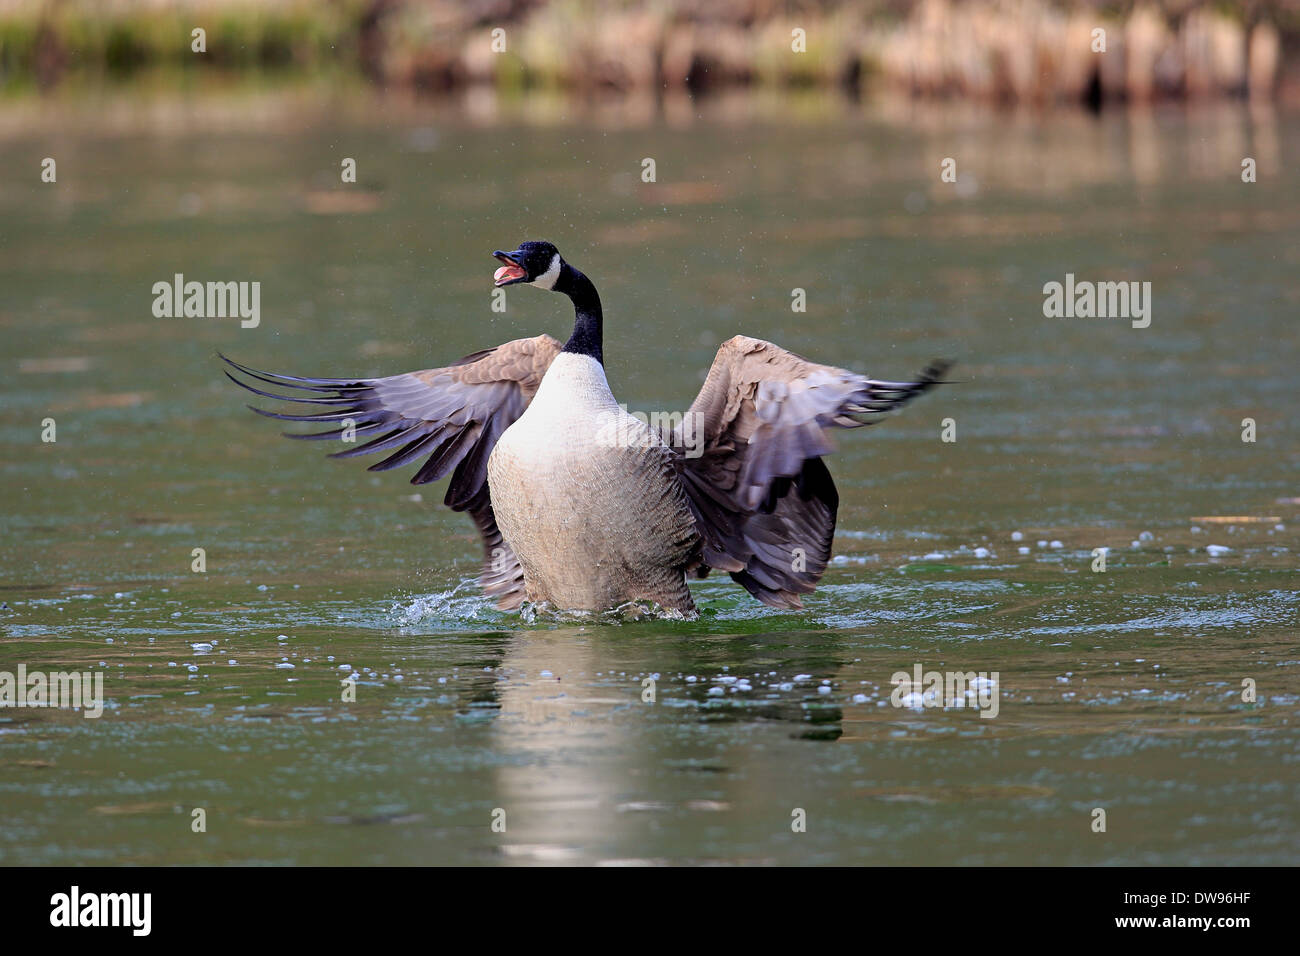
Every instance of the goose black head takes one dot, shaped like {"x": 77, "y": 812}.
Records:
{"x": 534, "y": 262}
{"x": 539, "y": 263}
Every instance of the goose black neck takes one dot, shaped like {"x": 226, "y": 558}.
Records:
{"x": 588, "y": 328}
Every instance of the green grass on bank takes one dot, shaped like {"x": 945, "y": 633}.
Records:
{"x": 43, "y": 42}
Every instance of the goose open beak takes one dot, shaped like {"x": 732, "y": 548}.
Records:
{"x": 511, "y": 272}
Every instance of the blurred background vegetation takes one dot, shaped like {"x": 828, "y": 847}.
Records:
{"x": 996, "y": 50}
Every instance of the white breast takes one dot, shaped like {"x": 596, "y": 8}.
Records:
{"x": 573, "y": 389}
{"x": 572, "y": 418}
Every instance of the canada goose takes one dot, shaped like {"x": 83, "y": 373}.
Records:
{"x": 585, "y": 507}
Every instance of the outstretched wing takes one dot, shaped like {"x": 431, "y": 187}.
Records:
{"x": 448, "y": 418}
{"x": 751, "y": 448}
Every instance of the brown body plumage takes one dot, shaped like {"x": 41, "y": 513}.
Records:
{"x": 589, "y": 499}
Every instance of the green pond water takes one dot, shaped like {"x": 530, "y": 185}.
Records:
{"x": 1120, "y": 690}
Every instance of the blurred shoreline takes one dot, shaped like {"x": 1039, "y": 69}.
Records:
{"x": 167, "y": 103}
{"x": 995, "y": 51}
{"x": 1203, "y": 141}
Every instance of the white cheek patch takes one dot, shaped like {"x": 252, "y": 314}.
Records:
{"x": 548, "y": 278}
